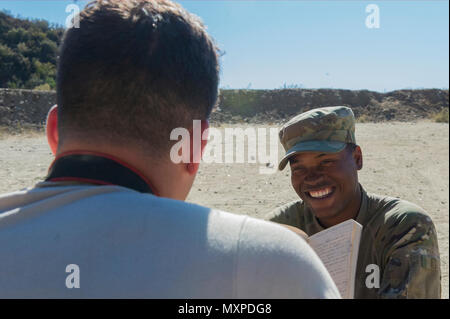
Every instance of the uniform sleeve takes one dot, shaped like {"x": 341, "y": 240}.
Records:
{"x": 287, "y": 214}
{"x": 411, "y": 259}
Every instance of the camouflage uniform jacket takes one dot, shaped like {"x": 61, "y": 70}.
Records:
{"x": 398, "y": 237}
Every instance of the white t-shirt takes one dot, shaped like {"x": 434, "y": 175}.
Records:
{"x": 125, "y": 244}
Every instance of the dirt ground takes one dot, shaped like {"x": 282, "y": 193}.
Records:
{"x": 405, "y": 160}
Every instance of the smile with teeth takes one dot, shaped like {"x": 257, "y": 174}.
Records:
{"x": 321, "y": 192}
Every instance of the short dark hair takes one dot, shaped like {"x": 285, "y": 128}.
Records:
{"x": 133, "y": 71}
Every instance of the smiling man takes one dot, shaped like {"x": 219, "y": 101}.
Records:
{"x": 398, "y": 237}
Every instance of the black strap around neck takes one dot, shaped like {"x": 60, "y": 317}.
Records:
{"x": 96, "y": 169}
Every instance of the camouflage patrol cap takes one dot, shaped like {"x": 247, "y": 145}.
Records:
{"x": 325, "y": 129}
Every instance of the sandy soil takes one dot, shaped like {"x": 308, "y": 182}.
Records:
{"x": 405, "y": 160}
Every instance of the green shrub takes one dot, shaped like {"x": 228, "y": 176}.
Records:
{"x": 28, "y": 51}
{"x": 43, "y": 87}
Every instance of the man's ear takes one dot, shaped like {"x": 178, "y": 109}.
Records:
{"x": 204, "y": 136}
{"x": 51, "y": 129}
{"x": 357, "y": 155}
{"x": 202, "y": 140}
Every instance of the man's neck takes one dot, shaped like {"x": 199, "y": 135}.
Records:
{"x": 158, "y": 173}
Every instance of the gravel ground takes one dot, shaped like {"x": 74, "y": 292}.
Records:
{"x": 405, "y": 160}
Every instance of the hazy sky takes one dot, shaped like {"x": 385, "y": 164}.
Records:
{"x": 313, "y": 44}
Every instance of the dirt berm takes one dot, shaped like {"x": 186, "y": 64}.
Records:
{"x": 26, "y": 107}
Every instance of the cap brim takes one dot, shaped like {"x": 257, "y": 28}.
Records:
{"x": 311, "y": 146}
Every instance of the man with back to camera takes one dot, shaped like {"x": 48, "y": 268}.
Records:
{"x": 397, "y": 236}
{"x": 110, "y": 219}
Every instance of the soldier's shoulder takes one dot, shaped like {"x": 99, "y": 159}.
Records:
{"x": 285, "y": 211}
{"x": 295, "y": 204}
{"x": 399, "y": 213}
{"x": 394, "y": 207}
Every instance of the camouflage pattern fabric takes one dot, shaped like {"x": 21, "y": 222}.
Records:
{"x": 326, "y": 129}
{"x": 398, "y": 236}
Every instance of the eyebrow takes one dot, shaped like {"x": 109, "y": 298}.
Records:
{"x": 294, "y": 160}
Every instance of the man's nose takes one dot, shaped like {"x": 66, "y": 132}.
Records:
{"x": 313, "y": 177}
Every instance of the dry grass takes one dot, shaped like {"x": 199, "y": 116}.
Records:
{"x": 363, "y": 119}
{"x": 441, "y": 117}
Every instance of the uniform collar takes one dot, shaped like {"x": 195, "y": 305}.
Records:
{"x": 362, "y": 213}
{"x": 98, "y": 169}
